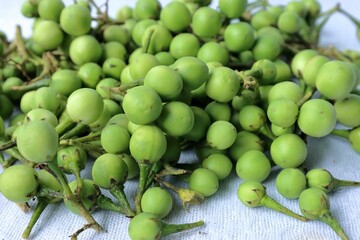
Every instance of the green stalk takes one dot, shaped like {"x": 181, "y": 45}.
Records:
{"x": 341, "y": 133}
{"x": 268, "y": 202}
{"x": 249, "y": 78}
{"x": 74, "y": 168}
{"x": 8, "y": 162}
{"x": 21, "y": 49}
{"x": 94, "y": 154}
{"x": 7, "y": 145}
{"x": 168, "y": 229}
{"x": 49, "y": 194}
{"x": 266, "y": 131}
{"x": 156, "y": 167}
{"x": 354, "y": 20}
{"x": 33, "y": 86}
{"x": 331, "y": 221}
{"x": 334, "y": 53}
{"x": 79, "y": 128}
{"x": 42, "y": 204}
{"x": 315, "y": 32}
{"x": 148, "y": 41}
{"x": 118, "y": 193}
{"x": 144, "y": 173}
{"x": 113, "y": 95}
{"x": 91, "y": 147}
{"x": 308, "y": 92}
{"x": 72, "y": 198}
{"x": 106, "y": 203}
{"x": 64, "y": 123}
{"x": 14, "y": 152}
{"x": 124, "y": 87}
{"x": 256, "y": 72}
{"x": 303, "y": 85}
{"x": 92, "y": 136}
{"x": 345, "y": 183}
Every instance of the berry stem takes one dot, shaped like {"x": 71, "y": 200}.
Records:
{"x": 168, "y": 229}
{"x": 8, "y": 162}
{"x": 308, "y": 93}
{"x": 106, "y": 203}
{"x": 331, "y": 221}
{"x": 345, "y": 183}
{"x": 74, "y": 168}
{"x": 41, "y": 205}
{"x": 155, "y": 169}
{"x": 333, "y": 52}
{"x": 315, "y": 33}
{"x": 266, "y": 131}
{"x": 148, "y": 41}
{"x": 352, "y": 18}
{"x": 21, "y": 49}
{"x": 28, "y": 86}
{"x": 64, "y": 123}
{"x": 72, "y": 198}
{"x": 256, "y": 72}
{"x": 124, "y": 87}
{"x": 49, "y": 193}
{"x": 78, "y": 129}
{"x": 91, "y": 148}
{"x": 268, "y": 202}
{"x": 92, "y": 136}
{"x": 118, "y": 192}
{"x": 7, "y": 145}
{"x": 341, "y": 133}
{"x": 144, "y": 173}
{"x": 14, "y": 152}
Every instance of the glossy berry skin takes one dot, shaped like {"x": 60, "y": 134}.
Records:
{"x": 175, "y": 16}
{"x": 109, "y": 170}
{"x": 158, "y": 201}
{"x": 204, "y": 181}
{"x": 206, "y": 22}
{"x": 290, "y": 182}
{"x": 151, "y": 228}
{"x": 233, "y": 8}
{"x": 53, "y": 37}
{"x": 179, "y": 114}
{"x": 85, "y": 49}
{"x": 75, "y": 20}
{"x": 37, "y": 141}
{"x": 85, "y": 105}
{"x": 288, "y": 151}
{"x": 253, "y": 166}
{"x": 335, "y": 79}
{"x": 142, "y": 105}
{"x": 317, "y": 117}
{"x": 239, "y": 37}
{"x": 19, "y": 183}
{"x": 147, "y": 144}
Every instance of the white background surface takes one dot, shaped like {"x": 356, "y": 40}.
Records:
{"x": 225, "y": 217}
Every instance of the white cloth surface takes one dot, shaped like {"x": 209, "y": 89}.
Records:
{"x": 224, "y": 215}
